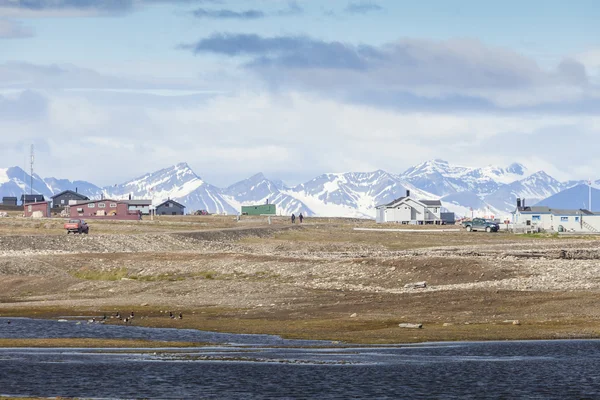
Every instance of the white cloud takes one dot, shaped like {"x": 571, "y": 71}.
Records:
{"x": 293, "y": 137}
{"x": 10, "y": 29}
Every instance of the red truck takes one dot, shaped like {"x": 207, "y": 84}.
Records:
{"x": 77, "y": 226}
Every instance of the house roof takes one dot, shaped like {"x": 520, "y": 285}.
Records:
{"x": 32, "y": 197}
{"x": 170, "y": 201}
{"x": 138, "y": 202}
{"x": 430, "y": 203}
{"x": 9, "y": 198}
{"x": 553, "y": 211}
{"x": 98, "y": 201}
{"x": 82, "y": 197}
{"x": 435, "y": 203}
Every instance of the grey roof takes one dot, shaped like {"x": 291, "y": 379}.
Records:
{"x": 553, "y": 211}
{"x": 138, "y": 202}
{"x": 82, "y": 197}
{"x": 431, "y": 203}
{"x": 435, "y": 203}
{"x": 170, "y": 201}
{"x": 9, "y": 198}
{"x": 97, "y": 201}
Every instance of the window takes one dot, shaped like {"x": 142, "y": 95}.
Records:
{"x": 91, "y": 205}
{"x": 564, "y": 219}
{"x": 113, "y": 205}
{"x": 101, "y": 205}
{"x": 29, "y": 208}
{"x": 576, "y": 219}
{"x": 536, "y": 218}
{"x": 62, "y": 202}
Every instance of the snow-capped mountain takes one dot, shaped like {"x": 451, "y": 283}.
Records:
{"x": 442, "y": 178}
{"x": 574, "y": 198}
{"x": 463, "y": 190}
{"x": 353, "y": 194}
{"x": 179, "y": 183}
{"x": 85, "y": 188}
{"x": 258, "y": 190}
{"x": 15, "y": 181}
{"x": 533, "y": 188}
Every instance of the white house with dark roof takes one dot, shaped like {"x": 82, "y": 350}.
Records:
{"x": 556, "y": 220}
{"x": 408, "y": 210}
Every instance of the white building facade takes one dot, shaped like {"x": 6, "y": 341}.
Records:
{"x": 408, "y": 210}
{"x": 557, "y": 220}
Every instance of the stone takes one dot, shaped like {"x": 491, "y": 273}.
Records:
{"x": 144, "y": 305}
{"x": 448, "y": 324}
{"x": 416, "y": 285}
{"x": 354, "y": 315}
{"x": 410, "y": 326}
{"x": 516, "y": 322}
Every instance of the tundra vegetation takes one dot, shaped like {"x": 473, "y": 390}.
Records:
{"x": 318, "y": 280}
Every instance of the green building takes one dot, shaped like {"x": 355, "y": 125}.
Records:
{"x": 263, "y": 209}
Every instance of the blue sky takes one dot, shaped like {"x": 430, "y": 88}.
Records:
{"x": 297, "y": 88}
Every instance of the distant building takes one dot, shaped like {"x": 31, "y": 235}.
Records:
{"x": 32, "y": 198}
{"x": 170, "y": 207}
{"x": 68, "y": 197}
{"x": 9, "y": 201}
{"x": 408, "y": 210}
{"x": 103, "y": 209}
{"x": 37, "y": 210}
{"x": 261, "y": 209}
{"x": 556, "y": 220}
{"x": 142, "y": 206}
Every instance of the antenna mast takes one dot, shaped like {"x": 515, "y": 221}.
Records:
{"x": 590, "y": 195}
{"x": 31, "y": 176}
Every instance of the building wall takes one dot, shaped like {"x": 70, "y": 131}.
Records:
{"x": 95, "y": 209}
{"x": 170, "y": 209}
{"x": 43, "y": 207}
{"x": 63, "y": 200}
{"x": 408, "y": 211}
{"x": 551, "y": 222}
{"x": 9, "y": 201}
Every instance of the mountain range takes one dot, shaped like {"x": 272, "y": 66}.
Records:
{"x": 467, "y": 191}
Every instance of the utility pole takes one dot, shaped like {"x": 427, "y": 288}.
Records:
{"x": 31, "y": 176}
{"x": 590, "y": 195}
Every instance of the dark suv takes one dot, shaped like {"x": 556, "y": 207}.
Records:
{"x": 480, "y": 224}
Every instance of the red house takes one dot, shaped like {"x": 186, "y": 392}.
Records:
{"x": 40, "y": 209}
{"x": 103, "y": 209}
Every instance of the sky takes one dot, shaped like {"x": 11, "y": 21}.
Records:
{"x": 108, "y": 90}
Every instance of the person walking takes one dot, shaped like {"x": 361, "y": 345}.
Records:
{"x": 293, "y": 219}
{"x": 300, "y": 217}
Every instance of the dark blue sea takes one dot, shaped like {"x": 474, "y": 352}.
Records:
{"x": 268, "y": 367}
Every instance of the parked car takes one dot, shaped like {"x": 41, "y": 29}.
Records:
{"x": 77, "y": 226}
{"x": 480, "y": 224}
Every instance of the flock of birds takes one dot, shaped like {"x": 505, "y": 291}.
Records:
{"x": 127, "y": 319}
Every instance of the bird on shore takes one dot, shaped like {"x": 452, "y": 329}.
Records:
{"x": 104, "y": 317}
{"x": 118, "y": 315}
{"x": 171, "y": 315}
{"x": 180, "y": 315}
{"x": 131, "y": 315}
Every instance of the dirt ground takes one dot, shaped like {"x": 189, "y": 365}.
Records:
{"x": 319, "y": 280}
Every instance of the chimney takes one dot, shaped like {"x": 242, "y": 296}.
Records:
{"x": 75, "y": 189}
{"x": 129, "y": 196}
{"x": 518, "y": 202}
{"x": 523, "y": 202}
{"x": 407, "y": 193}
